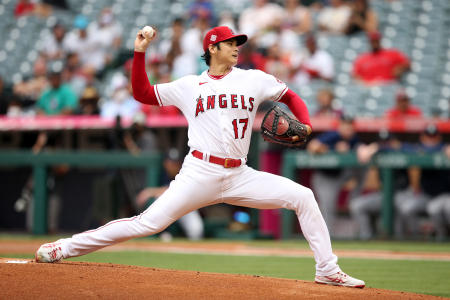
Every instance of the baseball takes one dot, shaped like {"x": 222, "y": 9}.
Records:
{"x": 149, "y": 31}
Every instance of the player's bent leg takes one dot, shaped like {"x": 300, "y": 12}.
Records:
{"x": 262, "y": 190}
{"x": 181, "y": 198}
{"x": 150, "y": 222}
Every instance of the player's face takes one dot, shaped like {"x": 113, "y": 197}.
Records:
{"x": 228, "y": 52}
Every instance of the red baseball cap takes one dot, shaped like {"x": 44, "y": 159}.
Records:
{"x": 220, "y": 34}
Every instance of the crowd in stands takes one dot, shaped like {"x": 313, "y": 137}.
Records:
{"x": 283, "y": 42}
{"x": 79, "y": 72}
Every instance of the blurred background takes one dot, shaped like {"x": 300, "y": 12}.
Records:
{"x": 76, "y": 150}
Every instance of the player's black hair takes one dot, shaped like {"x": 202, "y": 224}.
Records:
{"x": 207, "y": 55}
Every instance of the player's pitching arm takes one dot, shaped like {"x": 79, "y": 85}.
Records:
{"x": 143, "y": 91}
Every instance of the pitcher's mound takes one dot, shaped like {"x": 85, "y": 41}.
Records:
{"x": 75, "y": 280}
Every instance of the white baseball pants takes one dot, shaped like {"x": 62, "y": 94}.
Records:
{"x": 200, "y": 184}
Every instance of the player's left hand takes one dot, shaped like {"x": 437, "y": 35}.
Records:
{"x": 278, "y": 127}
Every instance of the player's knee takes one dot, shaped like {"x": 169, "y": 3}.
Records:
{"x": 153, "y": 223}
{"x": 306, "y": 199}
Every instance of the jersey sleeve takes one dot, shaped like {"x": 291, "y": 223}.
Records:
{"x": 272, "y": 88}
{"x": 174, "y": 92}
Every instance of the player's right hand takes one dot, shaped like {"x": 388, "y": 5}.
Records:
{"x": 142, "y": 41}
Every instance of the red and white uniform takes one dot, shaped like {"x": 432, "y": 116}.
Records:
{"x": 220, "y": 112}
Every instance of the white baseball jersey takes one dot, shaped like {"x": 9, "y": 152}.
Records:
{"x": 221, "y": 111}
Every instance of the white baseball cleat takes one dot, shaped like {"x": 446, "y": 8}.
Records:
{"x": 49, "y": 253}
{"x": 340, "y": 279}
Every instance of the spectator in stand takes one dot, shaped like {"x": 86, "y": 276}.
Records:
{"x": 258, "y": 17}
{"x": 403, "y": 107}
{"x": 107, "y": 34}
{"x": 363, "y": 18}
{"x": 58, "y": 99}
{"x": 425, "y": 184}
{"x": 29, "y": 90}
{"x": 75, "y": 76}
{"x": 38, "y": 8}
{"x": 249, "y": 58}
{"x": 158, "y": 71}
{"x": 23, "y": 8}
{"x": 88, "y": 47}
{"x": 334, "y": 18}
{"x": 276, "y": 64}
{"x": 121, "y": 102}
{"x": 171, "y": 47}
{"x": 60, "y": 4}
{"x": 202, "y": 9}
{"x": 88, "y": 103}
{"x": 119, "y": 78}
{"x": 275, "y": 34}
{"x": 53, "y": 43}
{"x": 325, "y": 99}
{"x": 227, "y": 19}
{"x": 327, "y": 183}
{"x": 191, "y": 42}
{"x": 380, "y": 66}
{"x": 312, "y": 64}
{"x": 78, "y": 41}
{"x": 296, "y": 17}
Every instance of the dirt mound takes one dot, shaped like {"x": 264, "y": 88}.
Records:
{"x": 25, "y": 279}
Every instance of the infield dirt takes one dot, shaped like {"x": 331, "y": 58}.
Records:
{"x": 76, "y": 280}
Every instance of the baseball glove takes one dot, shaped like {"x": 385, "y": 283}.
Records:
{"x": 278, "y": 127}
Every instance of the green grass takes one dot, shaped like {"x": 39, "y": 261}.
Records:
{"x": 425, "y": 277}
{"x": 397, "y": 246}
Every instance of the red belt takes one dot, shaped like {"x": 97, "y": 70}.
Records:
{"x": 225, "y": 162}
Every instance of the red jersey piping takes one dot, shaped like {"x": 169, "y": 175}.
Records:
{"x": 220, "y": 76}
{"x": 281, "y": 95}
{"x": 158, "y": 96}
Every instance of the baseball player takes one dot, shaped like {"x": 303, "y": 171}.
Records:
{"x": 220, "y": 106}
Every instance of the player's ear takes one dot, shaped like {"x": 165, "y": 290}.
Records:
{"x": 212, "y": 49}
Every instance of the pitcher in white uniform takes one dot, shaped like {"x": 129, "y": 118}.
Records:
{"x": 220, "y": 106}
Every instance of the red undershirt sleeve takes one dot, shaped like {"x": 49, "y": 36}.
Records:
{"x": 143, "y": 91}
{"x": 297, "y": 106}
